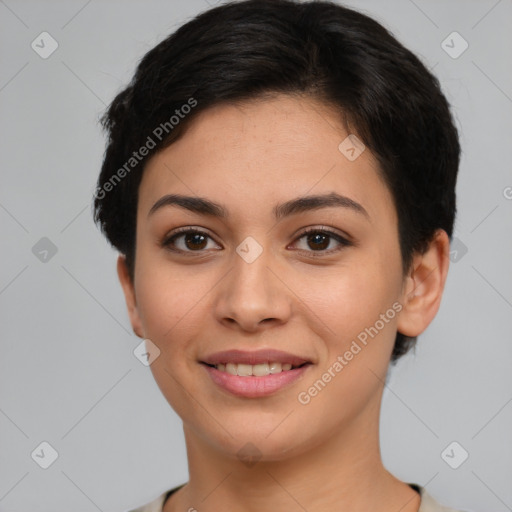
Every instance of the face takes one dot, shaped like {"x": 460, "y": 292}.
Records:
{"x": 291, "y": 257}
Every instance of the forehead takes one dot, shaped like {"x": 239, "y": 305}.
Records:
{"x": 251, "y": 154}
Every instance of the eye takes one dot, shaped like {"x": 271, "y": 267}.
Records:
{"x": 316, "y": 240}
{"x": 188, "y": 240}
{"x": 321, "y": 240}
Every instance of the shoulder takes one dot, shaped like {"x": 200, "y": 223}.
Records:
{"x": 158, "y": 503}
{"x": 429, "y": 504}
{"x": 154, "y": 506}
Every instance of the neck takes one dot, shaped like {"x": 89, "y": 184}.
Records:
{"x": 344, "y": 472}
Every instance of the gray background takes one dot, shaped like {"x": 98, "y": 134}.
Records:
{"x": 68, "y": 375}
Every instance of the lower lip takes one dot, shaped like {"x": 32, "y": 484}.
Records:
{"x": 254, "y": 387}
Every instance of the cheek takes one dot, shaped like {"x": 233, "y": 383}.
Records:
{"x": 168, "y": 295}
{"x": 174, "y": 305}
{"x": 168, "y": 306}
{"x": 351, "y": 298}
{"x": 170, "y": 311}
{"x": 358, "y": 345}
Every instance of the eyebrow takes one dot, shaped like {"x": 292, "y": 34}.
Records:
{"x": 204, "y": 206}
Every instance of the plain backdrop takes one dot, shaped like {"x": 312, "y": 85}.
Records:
{"x": 68, "y": 375}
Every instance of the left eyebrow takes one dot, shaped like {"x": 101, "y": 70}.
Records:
{"x": 307, "y": 203}
{"x": 204, "y": 206}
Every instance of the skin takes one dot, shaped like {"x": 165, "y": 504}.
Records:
{"x": 249, "y": 157}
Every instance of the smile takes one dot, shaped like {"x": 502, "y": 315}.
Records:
{"x": 253, "y": 374}
{"x": 256, "y": 370}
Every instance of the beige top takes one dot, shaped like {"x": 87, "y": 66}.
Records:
{"x": 428, "y": 504}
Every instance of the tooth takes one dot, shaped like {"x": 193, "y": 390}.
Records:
{"x": 260, "y": 370}
{"x": 275, "y": 367}
{"x": 231, "y": 368}
{"x": 244, "y": 370}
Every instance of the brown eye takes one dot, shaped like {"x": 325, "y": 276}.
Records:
{"x": 189, "y": 240}
{"x": 318, "y": 241}
{"x": 321, "y": 241}
{"x": 195, "y": 241}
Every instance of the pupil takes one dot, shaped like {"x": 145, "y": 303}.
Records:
{"x": 195, "y": 241}
{"x": 318, "y": 238}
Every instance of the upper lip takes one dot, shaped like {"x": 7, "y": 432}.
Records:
{"x": 254, "y": 357}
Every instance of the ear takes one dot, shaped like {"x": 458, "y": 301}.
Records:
{"x": 129, "y": 295}
{"x": 424, "y": 285}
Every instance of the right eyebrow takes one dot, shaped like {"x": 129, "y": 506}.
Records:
{"x": 204, "y": 206}
{"x": 193, "y": 204}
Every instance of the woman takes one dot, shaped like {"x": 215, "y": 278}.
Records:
{"x": 283, "y": 224}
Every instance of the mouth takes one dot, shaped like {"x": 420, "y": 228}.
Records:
{"x": 254, "y": 370}
{"x": 254, "y": 374}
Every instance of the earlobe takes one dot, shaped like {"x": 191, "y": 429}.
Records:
{"x": 129, "y": 295}
{"x": 424, "y": 286}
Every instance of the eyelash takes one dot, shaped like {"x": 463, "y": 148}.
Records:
{"x": 169, "y": 240}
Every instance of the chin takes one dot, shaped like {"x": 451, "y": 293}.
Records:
{"x": 250, "y": 445}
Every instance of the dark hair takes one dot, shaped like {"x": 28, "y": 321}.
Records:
{"x": 244, "y": 50}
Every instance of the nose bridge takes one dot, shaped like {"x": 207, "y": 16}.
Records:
{"x": 251, "y": 292}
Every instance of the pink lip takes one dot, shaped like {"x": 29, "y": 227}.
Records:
{"x": 254, "y": 387}
{"x": 254, "y": 357}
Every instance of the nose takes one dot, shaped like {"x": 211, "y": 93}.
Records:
{"x": 251, "y": 297}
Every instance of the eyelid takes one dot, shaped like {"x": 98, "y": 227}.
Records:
{"x": 166, "y": 240}
{"x": 323, "y": 228}
{"x": 344, "y": 240}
